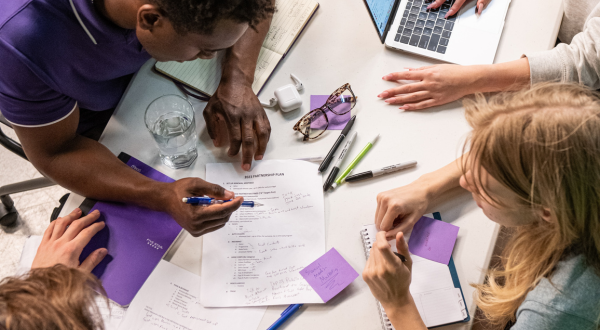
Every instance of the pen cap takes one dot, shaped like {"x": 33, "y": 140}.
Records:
{"x": 375, "y": 139}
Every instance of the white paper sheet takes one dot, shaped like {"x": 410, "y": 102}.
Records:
{"x": 112, "y": 315}
{"x": 169, "y": 300}
{"x": 255, "y": 259}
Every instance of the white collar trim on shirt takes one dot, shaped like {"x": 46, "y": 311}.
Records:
{"x": 46, "y": 124}
{"x": 81, "y": 23}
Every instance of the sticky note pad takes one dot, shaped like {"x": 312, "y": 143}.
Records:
{"x": 329, "y": 274}
{"x": 433, "y": 239}
{"x": 336, "y": 122}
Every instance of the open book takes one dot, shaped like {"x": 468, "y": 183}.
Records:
{"x": 435, "y": 288}
{"x": 289, "y": 20}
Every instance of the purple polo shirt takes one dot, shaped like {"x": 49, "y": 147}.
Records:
{"x": 49, "y": 63}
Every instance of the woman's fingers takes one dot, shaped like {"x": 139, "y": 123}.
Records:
{"x": 402, "y": 248}
{"x": 455, "y": 8}
{"x": 436, "y": 4}
{"x": 405, "y": 75}
{"x": 420, "y": 105}
{"x": 62, "y": 223}
{"x": 404, "y": 89}
{"x": 409, "y": 98}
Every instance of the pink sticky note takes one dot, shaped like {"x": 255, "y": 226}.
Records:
{"x": 336, "y": 122}
{"x": 329, "y": 274}
{"x": 433, "y": 239}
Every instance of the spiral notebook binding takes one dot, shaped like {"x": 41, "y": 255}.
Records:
{"x": 368, "y": 244}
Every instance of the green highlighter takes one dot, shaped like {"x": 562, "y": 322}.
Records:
{"x": 350, "y": 167}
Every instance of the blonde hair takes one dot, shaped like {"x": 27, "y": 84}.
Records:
{"x": 55, "y": 298}
{"x": 543, "y": 144}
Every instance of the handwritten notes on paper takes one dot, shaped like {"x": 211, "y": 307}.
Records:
{"x": 433, "y": 239}
{"x": 255, "y": 259}
{"x": 169, "y": 300}
{"x": 329, "y": 274}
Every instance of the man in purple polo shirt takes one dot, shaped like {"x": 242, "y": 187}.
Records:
{"x": 64, "y": 65}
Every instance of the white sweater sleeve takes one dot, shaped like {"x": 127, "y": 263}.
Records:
{"x": 577, "y": 62}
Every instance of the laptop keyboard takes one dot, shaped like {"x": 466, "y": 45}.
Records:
{"x": 427, "y": 29}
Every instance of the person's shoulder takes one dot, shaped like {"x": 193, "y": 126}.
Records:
{"x": 572, "y": 291}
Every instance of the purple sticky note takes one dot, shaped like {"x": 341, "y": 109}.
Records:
{"x": 335, "y": 121}
{"x": 329, "y": 274}
{"x": 433, "y": 239}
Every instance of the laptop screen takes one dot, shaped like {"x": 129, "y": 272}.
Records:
{"x": 381, "y": 11}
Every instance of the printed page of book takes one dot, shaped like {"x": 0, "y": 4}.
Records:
{"x": 169, "y": 300}
{"x": 287, "y": 23}
{"x": 256, "y": 258}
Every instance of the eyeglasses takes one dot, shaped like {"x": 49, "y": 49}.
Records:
{"x": 337, "y": 103}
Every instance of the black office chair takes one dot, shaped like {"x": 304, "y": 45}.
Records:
{"x": 8, "y": 212}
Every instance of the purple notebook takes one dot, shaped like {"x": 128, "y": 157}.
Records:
{"x": 136, "y": 239}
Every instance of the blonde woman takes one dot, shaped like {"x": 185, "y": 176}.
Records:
{"x": 533, "y": 164}
{"x": 59, "y": 292}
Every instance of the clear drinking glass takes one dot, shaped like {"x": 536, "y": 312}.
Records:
{"x": 170, "y": 120}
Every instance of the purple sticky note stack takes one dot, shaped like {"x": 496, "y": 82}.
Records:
{"x": 136, "y": 239}
{"x": 329, "y": 274}
{"x": 433, "y": 239}
{"x": 336, "y": 122}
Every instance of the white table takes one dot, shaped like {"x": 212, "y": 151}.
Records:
{"x": 340, "y": 45}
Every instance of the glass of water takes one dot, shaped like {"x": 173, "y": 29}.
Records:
{"x": 170, "y": 120}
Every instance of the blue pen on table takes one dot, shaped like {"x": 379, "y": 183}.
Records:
{"x": 212, "y": 201}
{"x": 285, "y": 315}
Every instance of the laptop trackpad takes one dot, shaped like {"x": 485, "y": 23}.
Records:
{"x": 491, "y": 20}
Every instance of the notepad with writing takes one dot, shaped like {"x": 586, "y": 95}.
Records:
{"x": 136, "y": 239}
{"x": 288, "y": 22}
{"x": 435, "y": 288}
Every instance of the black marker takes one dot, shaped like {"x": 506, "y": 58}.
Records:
{"x": 325, "y": 164}
{"x": 381, "y": 171}
{"x": 336, "y": 166}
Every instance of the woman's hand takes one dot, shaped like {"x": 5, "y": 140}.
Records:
{"x": 399, "y": 209}
{"x": 481, "y": 4}
{"x": 65, "y": 239}
{"x": 387, "y": 276}
{"x": 434, "y": 85}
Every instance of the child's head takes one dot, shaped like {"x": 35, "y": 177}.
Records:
{"x": 534, "y": 163}
{"x": 50, "y": 298}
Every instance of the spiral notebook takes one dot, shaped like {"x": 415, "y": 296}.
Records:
{"x": 435, "y": 287}
{"x": 289, "y": 20}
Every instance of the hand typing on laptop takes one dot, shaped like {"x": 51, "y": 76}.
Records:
{"x": 481, "y": 4}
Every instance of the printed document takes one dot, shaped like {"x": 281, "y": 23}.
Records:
{"x": 256, "y": 258}
{"x": 169, "y": 300}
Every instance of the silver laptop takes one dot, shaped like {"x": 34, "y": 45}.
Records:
{"x": 466, "y": 38}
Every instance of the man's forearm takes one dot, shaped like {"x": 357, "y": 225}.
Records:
{"x": 88, "y": 168}
{"x": 240, "y": 60}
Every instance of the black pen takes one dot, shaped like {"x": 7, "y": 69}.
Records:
{"x": 338, "y": 162}
{"x": 325, "y": 164}
{"x": 402, "y": 258}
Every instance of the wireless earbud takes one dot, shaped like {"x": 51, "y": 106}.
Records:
{"x": 287, "y": 96}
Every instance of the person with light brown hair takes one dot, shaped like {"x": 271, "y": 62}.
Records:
{"x": 59, "y": 292}
{"x": 534, "y": 165}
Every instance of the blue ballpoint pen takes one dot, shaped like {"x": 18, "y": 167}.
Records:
{"x": 211, "y": 201}
{"x": 287, "y": 313}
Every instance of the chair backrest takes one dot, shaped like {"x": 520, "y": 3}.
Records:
{"x": 9, "y": 143}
